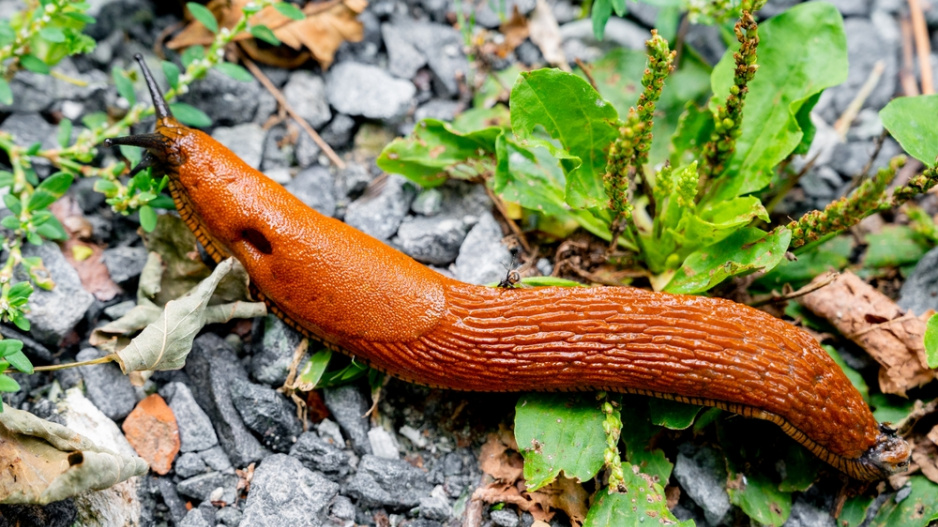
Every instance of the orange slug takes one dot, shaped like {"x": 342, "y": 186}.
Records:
{"x": 355, "y": 294}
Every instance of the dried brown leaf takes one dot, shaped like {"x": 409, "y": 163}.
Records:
{"x": 925, "y": 455}
{"x": 873, "y": 321}
{"x": 84, "y": 256}
{"x": 545, "y": 34}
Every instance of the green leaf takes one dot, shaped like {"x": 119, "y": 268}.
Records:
{"x": 833, "y": 254}
{"x": 190, "y": 115}
{"x": 95, "y": 119}
{"x": 80, "y": 17}
{"x": 559, "y": 432}
{"x": 290, "y": 11}
{"x": 6, "y": 93}
{"x": 235, "y": 71}
{"x": 191, "y": 54}
{"x": 917, "y": 509}
{"x": 672, "y": 414}
{"x": 147, "y": 218}
{"x": 125, "y": 88}
{"x": 203, "y": 15}
{"x": 34, "y": 64}
{"x": 64, "y": 134}
{"x": 644, "y": 503}
{"x": 51, "y": 189}
{"x": 931, "y": 341}
{"x": 264, "y": 33}
{"x": 760, "y": 499}
{"x": 528, "y": 174}
{"x": 854, "y": 511}
{"x": 570, "y": 111}
{"x": 7, "y": 384}
{"x": 637, "y": 434}
{"x": 13, "y": 203}
{"x": 890, "y": 408}
{"x": 791, "y": 72}
{"x": 894, "y": 246}
{"x": 22, "y": 290}
{"x": 436, "y": 151}
{"x": 19, "y": 361}
{"x": 496, "y": 87}
{"x": 6, "y": 178}
{"x": 599, "y": 14}
{"x": 313, "y": 371}
{"x": 20, "y": 321}
{"x": 171, "y": 71}
{"x": 907, "y": 119}
{"x": 10, "y": 222}
{"x": 745, "y": 251}
{"x": 52, "y": 230}
{"x": 9, "y": 347}
{"x": 108, "y": 188}
{"x": 52, "y": 34}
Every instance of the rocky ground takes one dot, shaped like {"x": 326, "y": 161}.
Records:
{"x": 415, "y": 464}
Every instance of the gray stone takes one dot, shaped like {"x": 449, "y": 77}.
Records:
{"x": 306, "y": 93}
{"x": 229, "y": 516}
{"x": 177, "y": 508}
{"x": 352, "y": 180}
{"x": 388, "y": 483}
{"x": 105, "y": 385}
{"x": 124, "y": 264}
{"x": 431, "y": 240}
{"x": 189, "y": 464}
{"x": 227, "y": 101}
{"x": 194, "y": 518}
{"x": 330, "y": 432}
{"x": 442, "y": 109}
{"x": 483, "y": 258}
{"x": 267, "y": 413}
{"x": 28, "y": 129}
{"x": 319, "y": 455}
{"x": 315, "y": 187}
{"x": 383, "y": 444}
{"x": 211, "y": 367}
{"x": 529, "y": 54}
{"x": 380, "y": 211}
{"x": 504, "y": 518}
{"x": 619, "y": 31}
{"x": 35, "y": 92}
{"x": 339, "y": 131}
{"x": 919, "y": 293}
{"x": 442, "y": 44}
{"x": 493, "y": 14}
{"x": 854, "y": 7}
{"x": 245, "y": 140}
{"x": 428, "y": 202}
{"x": 202, "y": 487}
{"x": 271, "y": 363}
{"x": 348, "y": 407}
{"x": 403, "y": 58}
{"x": 216, "y": 459}
{"x": 369, "y": 91}
{"x": 195, "y": 428}
{"x": 342, "y": 509}
{"x": 436, "y": 506}
{"x": 278, "y": 153}
{"x": 284, "y": 492}
{"x": 822, "y": 183}
{"x": 703, "y": 478}
{"x": 849, "y": 159}
{"x": 307, "y": 151}
{"x": 804, "y": 514}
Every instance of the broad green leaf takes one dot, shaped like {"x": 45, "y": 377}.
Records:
{"x": 526, "y": 173}
{"x": 190, "y": 115}
{"x": 52, "y": 34}
{"x": 760, "y": 498}
{"x": 637, "y": 434}
{"x": 235, "y": 71}
{"x": 570, "y": 111}
{"x": 909, "y": 121}
{"x": 791, "y": 73}
{"x": 436, "y": 151}
{"x": 6, "y": 93}
{"x": 478, "y": 119}
{"x": 289, "y": 10}
{"x": 931, "y": 341}
{"x": 890, "y": 408}
{"x": 618, "y": 77}
{"x": 264, "y": 33}
{"x": 894, "y": 246}
{"x": 833, "y": 254}
{"x": 34, "y": 64}
{"x": 919, "y": 508}
{"x": 799, "y": 466}
{"x": 51, "y": 189}
{"x": 752, "y": 464}
{"x": 559, "y": 432}
{"x": 203, "y": 15}
{"x": 854, "y": 511}
{"x": 745, "y": 251}
{"x": 672, "y": 414}
{"x": 643, "y": 503}
{"x": 313, "y": 371}
{"x": 171, "y": 71}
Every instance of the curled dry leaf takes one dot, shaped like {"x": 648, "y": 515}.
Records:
{"x": 46, "y": 462}
{"x": 873, "y": 321}
{"x": 165, "y": 343}
{"x": 545, "y": 34}
{"x": 84, "y": 256}
{"x": 326, "y": 26}
{"x": 503, "y": 467}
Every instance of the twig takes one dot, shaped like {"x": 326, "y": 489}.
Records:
{"x": 907, "y": 72}
{"x": 586, "y": 71}
{"x": 878, "y": 146}
{"x": 810, "y": 288}
{"x": 330, "y": 153}
{"x": 55, "y": 367}
{"x": 500, "y": 205}
{"x": 922, "y": 46}
{"x": 850, "y": 113}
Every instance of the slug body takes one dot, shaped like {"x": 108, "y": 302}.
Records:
{"x": 355, "y": 294}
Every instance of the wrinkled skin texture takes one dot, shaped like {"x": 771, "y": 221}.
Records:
{"x": 355, "y": 294}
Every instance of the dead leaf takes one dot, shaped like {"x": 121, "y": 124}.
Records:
{"x": 896, "y": 343}
{"x": 45, "y": 462}
{"x": 86, "y": 257}
{"x": 545, "y": 34}
{"x": 925, "y": 455}
{"x": 326, "y": 26}
{"x": 515, "y": 31}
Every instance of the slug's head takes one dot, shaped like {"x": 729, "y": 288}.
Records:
{"x": 890, "y": 455}
{"x": 163, "y": 146}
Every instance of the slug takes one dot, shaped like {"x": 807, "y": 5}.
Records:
{"x": 353, "y": 293}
